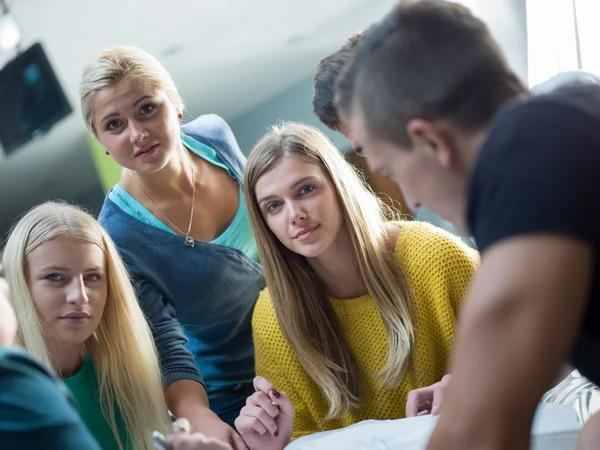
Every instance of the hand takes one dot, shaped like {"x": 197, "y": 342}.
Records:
{"x": 427, "y": 400}
{"x": 197, "y": 441}
{"x": 211, "y": 425}
{"x": 8, "y": 320}
{"x": 182, "y": 439}
{"x": 267, "y": 420}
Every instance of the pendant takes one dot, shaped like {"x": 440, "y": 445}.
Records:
{"x": 189, "y": 241}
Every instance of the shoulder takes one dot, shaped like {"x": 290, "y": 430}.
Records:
{"x": 541, "y": 127}
{"x": 20, "y": 372}
{"x": 16, "y": 361}
{"x": 538, "y": 170}
{"x": 423, "y": 249}
{"x": 112, "y": 218}
{"x": 211, "y": 128}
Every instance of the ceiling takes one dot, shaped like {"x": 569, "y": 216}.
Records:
{"x": 225, "y": 55}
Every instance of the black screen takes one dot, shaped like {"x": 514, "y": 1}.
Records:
{"x": 31, "y": 99}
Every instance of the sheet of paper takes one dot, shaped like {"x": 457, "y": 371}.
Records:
{"x": 555, "y": 428}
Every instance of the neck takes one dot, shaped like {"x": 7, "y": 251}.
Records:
{"x": 470, "y": 145}
{"x": 66, "y": 359}
{"x": 337, "y": 268}
{"x": 175, "y": 178}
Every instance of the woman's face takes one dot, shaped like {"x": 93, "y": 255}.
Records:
{"x": 68, "y": 285}
{"x": 138, "y": 125}
{"x": 300, "y": 205}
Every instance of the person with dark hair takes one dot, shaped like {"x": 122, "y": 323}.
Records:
{"x": 323, "y": 100}
{"x": 324, "y": 106}
{"x": 437, "y": 108}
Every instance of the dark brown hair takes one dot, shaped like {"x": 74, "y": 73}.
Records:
{"x": 328, "y": 70}
{"x": 430, "y": 59}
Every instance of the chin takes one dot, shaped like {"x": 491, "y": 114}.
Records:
{"x": 308, "y": 251}
{"x": 76, "y": 338}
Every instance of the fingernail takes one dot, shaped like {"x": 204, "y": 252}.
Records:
{"x": 276, "y": 417}
{"x": 276, "y": 433}
{"x": 275, "y": 393}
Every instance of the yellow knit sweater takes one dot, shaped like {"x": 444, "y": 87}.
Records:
{"x": 438, "y": 268}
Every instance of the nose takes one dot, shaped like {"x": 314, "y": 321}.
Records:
{"x": 137, "y": 133}
{"x": 297, "y": 213}
{"x": 76, "y": 292}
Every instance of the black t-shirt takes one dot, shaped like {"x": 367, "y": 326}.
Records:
{"x": 35, "y": 409}
{"x": 539, "y": 172}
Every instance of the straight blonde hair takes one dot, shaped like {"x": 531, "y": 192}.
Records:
{"x": 109, "y": 66}
{"x": 305, "y": 315}
{"x": 122, "y": 348}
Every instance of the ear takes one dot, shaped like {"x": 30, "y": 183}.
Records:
{"x": 432, "y": 137}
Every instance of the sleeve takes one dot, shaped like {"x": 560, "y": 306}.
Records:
{"x": 443, "y": 263}
{"x": 537, "y": 173}
{"x": 35, "y": 410}
{"x": 214, "y": 129}
{"x": 276, "y": 361}
{"x": 176, "y": 361}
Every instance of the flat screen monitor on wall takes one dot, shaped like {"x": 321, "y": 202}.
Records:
{"x": 31, "y": 99}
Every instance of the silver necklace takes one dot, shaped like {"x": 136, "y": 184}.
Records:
{"x": 189, "y": 241}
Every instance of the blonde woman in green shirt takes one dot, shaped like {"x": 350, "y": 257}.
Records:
{"x": 78, "y": 313}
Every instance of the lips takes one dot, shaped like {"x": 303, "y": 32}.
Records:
{"x": 145, "y": 150}
{"x": 76, "y": 315}
{"x": 303, "y": 232}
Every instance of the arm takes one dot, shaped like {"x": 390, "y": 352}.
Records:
{"x": 520, "y": 321}
{"x": 35, "y": 411}
{"x": 184, "y": 389}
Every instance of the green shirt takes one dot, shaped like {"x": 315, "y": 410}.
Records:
{"x": 84, "y": 387}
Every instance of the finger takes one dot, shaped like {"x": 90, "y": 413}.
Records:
{"x": 181, "y": 425}
{"x": 263, "y": 385}
{"x": 264, "y": 418}
{"x": 247, "y": 424}
{"x": 263, "y": 401}
{"x": 438, "y": 399}
{"x": 425, "y": 406}
{"x": 284, "y": 402}
{"x": 415, "y": 398}
{"x": 238, "y": 443}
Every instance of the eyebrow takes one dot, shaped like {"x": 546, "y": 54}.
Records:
{"x": 296, "y": 184}
{"x": 137, "y": 102}
{"x": 66, "y": 269}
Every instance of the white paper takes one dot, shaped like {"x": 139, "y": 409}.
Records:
{"x": 555, "y": 427}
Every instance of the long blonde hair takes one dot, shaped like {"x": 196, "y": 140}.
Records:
{"x": 109, "y": 66}
{"x": 305, "y": 315}
{"x": 122, "y": 348}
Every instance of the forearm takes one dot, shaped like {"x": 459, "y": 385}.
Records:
{"x": 188, "y": 398}
{"x": 506, "y": 343}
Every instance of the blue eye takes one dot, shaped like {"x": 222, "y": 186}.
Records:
{"x": 307, "y": 189}
{"x": 272, "y": 207}
{"x": 92, "y": 277}
{"x": 54, "y": 277}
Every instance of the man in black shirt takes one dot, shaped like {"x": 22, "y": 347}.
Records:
{"x": 436, "y": 108}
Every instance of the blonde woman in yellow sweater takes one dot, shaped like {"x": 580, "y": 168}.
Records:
{"x": 359, "y": 309}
